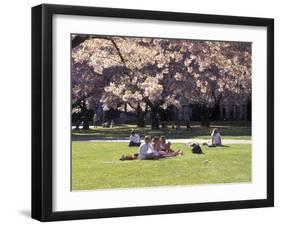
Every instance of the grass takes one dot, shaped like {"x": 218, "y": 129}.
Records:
{"x": 229, "y": 130}
{"x": 96, "y": 165}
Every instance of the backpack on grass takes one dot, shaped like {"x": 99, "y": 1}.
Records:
{"x": 196, "y": 149}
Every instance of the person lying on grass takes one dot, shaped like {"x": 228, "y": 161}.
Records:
{"x": 134, "y": 139}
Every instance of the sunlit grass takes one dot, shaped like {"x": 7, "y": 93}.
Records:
{"x": 97, "y": 166}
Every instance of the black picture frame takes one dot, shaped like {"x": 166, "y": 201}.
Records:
{"x": 42, "y": 107}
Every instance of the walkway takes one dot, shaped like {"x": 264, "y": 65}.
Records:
{"x": 186, "y": 141}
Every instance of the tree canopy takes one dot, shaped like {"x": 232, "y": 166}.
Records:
{"x": 152, "y": 73}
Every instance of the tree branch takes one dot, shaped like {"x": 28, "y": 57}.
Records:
{"x": 78, "y": 39}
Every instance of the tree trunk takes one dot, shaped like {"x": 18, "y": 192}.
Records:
{"x": 154, "y": 113}
{"x": 176, "y": 118}
{"x": 140, "y": 118}
{"x": 154, "y": 118}
{"x": 205, "y": 116}
{"x": 86, "y": 124}
{"x": 207, "y": 112}
{"x": 86, "y": 119}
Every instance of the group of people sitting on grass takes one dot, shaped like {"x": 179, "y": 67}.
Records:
{"x": 157, "y": 148}
{"x": 151, "y": 149}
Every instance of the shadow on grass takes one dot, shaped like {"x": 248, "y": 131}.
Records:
{"x": 229, "y": 130}
{"x": 220, "y": 146}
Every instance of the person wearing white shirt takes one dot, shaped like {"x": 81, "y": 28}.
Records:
{"x": 146, "y": 150}
{"x": 216, "y": 138}
{"x": 134, "y": 139}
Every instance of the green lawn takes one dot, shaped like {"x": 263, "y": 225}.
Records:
{"x": 229, "y": 130}
{"x": 96, "y": 165}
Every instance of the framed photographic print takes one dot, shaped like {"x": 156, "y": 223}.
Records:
{"x": 146, "y": 112}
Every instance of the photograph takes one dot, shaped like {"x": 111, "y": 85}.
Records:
{"x": 159, "y": 112}
{"x": 148, "y": 112}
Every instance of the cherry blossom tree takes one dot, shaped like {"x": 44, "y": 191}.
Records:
{"x": 139, "y": 85}
{"x": 150, "y": 74}
{"x": 217, "y": 69}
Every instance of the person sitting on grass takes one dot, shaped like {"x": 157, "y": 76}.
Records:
{"x": 156, "y": 144}
{"x": 146, "y": 150}
{"x": 157, "y": 147}
{"x": 216, "y": 138}
{"x": 135, "y": 140}
{"x": 166, "y": 150}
